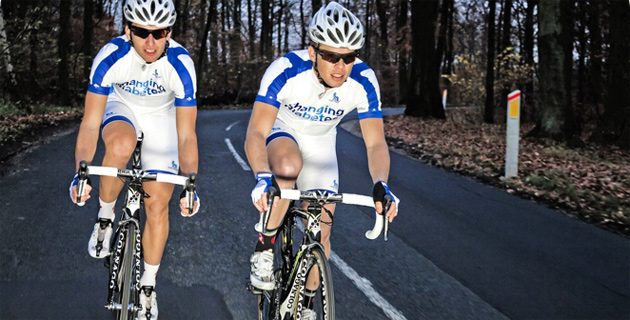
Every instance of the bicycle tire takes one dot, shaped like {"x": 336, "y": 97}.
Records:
{"x": 324, "y": 304}
{"x": 126, "y": 284}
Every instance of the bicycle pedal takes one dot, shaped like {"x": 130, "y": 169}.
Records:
{"x": 253, "y": 290}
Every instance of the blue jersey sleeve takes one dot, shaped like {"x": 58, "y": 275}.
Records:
{"x": 101, "y": 74}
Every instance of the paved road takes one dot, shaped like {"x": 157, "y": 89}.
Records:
{"x": 459, "y": 249}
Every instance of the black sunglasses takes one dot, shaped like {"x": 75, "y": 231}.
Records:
{"x": 333, "y": 57}
{"x": 144, "y": 33}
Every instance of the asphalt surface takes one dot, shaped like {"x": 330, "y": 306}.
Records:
{"x": 458, "y": 250}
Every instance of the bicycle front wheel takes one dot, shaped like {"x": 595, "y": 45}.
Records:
{"x": 127, "y": 310}
{"x": 323, "y": 303}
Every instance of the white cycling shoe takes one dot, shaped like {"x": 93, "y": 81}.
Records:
{"x": 148, "y": 302}
{"x": 261, "y": 275}
{"x": 309, "y": 314}
{"x": 100, "y": 240}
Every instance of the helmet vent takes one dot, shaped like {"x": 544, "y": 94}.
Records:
{"x": 332, "y": 36}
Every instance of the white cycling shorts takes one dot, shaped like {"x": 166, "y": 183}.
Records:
{"x": 159, "y": 147}
{"x": 320, "y": 170}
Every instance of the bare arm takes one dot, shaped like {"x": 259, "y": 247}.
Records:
{"x": 378, "y": 156}
{"x": 188, "y": 149}
{"x": 260, "y": 124}
{"x": 90, "y": 127}
{"x": 187, "y": 139}
{"x": 376, "y": 146}
{"x": 88, "y": 137}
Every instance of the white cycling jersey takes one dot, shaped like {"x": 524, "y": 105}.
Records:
{"x": 120, "y": 72}
{"x": 290, "y": 84}
{"x": 309, "y": 114}
{"x": 145, "y": 96}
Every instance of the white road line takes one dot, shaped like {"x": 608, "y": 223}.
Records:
{"x": 231, "y": 125}
{"x": 236, "y": 156}
{"x": 366, "y": 286}
{"x": 363, "y": 284}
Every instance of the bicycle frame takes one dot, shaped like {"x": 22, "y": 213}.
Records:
{"x": 299, "y": 271}
{"x": 129, "y": 215}
{"x": 295, "y": 268}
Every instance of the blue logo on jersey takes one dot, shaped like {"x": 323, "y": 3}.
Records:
{"x": 324, "y": 113}
{"x": 173, "y": 166}
{"x": 335, "y": 185}
{"x": 335, "y": 98}
{"x": 146, "y": 88}
{"x": 156, "y": 75}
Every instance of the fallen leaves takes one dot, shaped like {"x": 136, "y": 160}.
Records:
{"x": 592, "y": 183}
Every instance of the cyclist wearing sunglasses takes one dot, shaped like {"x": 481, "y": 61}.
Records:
{"x": 292, "y": 131}
{"x": 141, "y": 82}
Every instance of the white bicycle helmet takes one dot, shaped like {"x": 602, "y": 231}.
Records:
{"x": 159, "y": 13}
{"x": 335, "y": 26}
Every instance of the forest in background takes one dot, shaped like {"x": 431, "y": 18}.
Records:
{"x": 569, "y": 58}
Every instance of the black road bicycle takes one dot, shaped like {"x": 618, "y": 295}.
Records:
{"x": 126, "y": 247}
{"x": 292, "y": 265}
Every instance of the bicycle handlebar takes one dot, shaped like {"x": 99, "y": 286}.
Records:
{"x": 188, "y": 182}
{"x": 323, "y": 197}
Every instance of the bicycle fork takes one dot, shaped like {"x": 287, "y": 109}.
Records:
{"x": 129, "y": 217}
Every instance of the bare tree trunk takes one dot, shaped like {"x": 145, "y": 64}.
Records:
{"x": 177, "y": 28}
{"x": 441, "y": 43}
{"x": 203, "y": 50}
{"x": 615, "y": 127}
{"x": 572, "y": 126}
{"x": 448, "y": 66}
{"x": 488, "y": 114}
{"x": 88, "y": 30}
{"x": 237, "y": 48}
{"x": 6, "y": 53}
{"x": 265, "y": 31}
{"x": 225, "y": 21}
{"x": 382, "y": 9}
{"x": 401, "y": 43}
{"x": 287, "y": 21}
{"x": 63, "y": 44}
{"x": 504, "y": 50}
{"x": 582, "y": 42}
{"x": 251, "y": 28}
{"x": 528, "y": 95}
{"x": 553, "y": 94}
{"x": 280, "y": 20}
{"x": 184, "y": 22}
{"x": 596, "y": 55}
{"x": 304, "y": 25}
{"x": 214, "y": 34}
{"x": 424, "y": 95}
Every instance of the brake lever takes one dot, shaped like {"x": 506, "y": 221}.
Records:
{"x": 272, "y": 192}
{"x": 191, "y": 187}
{"x": 82, "y": 181}
{"x": 386, "y": 206}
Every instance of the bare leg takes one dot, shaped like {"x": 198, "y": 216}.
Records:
{"x": 156, "y": 227}
{"x": 312, "y": 282}
{"x": 285, "y": 160}
{"x": 120, "y": 141}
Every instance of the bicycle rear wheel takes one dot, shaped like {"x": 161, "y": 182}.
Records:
{"x": 126, "y": 286}
{"x": 324, "y": 299}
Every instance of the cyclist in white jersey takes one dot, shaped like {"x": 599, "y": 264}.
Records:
{"x": 292, "y": 131}
{"x": 141, "y": 82}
